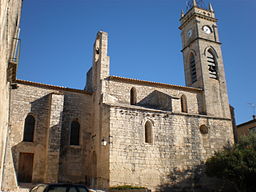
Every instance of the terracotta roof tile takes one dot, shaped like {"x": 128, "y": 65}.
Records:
{"x": 51, "y": 86}
{"x": 154, "y": 83}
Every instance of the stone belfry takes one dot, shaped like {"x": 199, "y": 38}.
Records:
{"x": 202, "y": 57}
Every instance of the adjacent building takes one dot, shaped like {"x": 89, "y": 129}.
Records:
{"x": 10, "y": 11}
{"x": 244, "y": 129}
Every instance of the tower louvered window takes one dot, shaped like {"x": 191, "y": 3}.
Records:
{"x": 193, "y": 68}
{"x": 212, "y": 65}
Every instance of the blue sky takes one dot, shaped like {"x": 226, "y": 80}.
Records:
{"x": 144, "y": 42}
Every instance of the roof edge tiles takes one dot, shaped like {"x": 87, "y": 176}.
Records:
{"x": 154, "y": 83}
{"x": 245, "y": 123}
{"x": 25, "y": 82}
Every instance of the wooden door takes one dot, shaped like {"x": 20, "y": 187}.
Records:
{"x": 25, "y": 167}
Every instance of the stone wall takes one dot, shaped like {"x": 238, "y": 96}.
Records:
{"x": 153, "y": 96}
{"x": 53, "y": 137}
{"x": 99, "y": 164}
{"x": 54, "y": 159}
{"x": 75, "y": 158}
{"x": 9, "y": 23}
{"x": 179, "y": 142}
{"x": 103, "y": 150}
{"x": 177, "y": 146}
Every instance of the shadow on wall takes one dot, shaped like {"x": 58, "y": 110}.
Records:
{"x": 194, "y": 180}
{"x": 157, "y": 100}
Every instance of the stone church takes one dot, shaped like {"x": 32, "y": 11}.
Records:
{"x": 117, "y": 131}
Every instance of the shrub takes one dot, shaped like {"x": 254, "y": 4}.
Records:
{"x": 124, "y": 187}
{"x": 237, "y": 164}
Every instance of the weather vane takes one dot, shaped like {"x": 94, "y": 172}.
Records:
{"x": 199, "y": 3}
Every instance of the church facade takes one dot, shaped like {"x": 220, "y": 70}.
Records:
{"x": 121, "y": 131}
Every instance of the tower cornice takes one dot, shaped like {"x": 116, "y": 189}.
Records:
{"x": 187, "y": 18}
{"x": 197, "y": 12}
{"x": 200, "y": 38}
{"x": 199, "y": 9}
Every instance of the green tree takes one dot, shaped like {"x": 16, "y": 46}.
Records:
{"x": 236, "y": 164}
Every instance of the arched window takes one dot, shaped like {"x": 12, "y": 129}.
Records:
{"x": 148, "y": 132}
{"x": 192, "y": 63}
{"x": 183, "y": 102}
{"x": 212, "y": 64}
{"x": 133, "y": 96}
{"x": 75, "y": 133}
{"x": 29, "y": 128}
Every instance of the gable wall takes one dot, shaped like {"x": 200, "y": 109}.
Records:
{"x": 155, "y": 97}
{"x": 53, "y": 110}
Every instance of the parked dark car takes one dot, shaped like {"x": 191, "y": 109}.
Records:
{"x": 59, "y": 188}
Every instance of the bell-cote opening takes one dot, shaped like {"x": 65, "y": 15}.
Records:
{"x": 97, "y": 50}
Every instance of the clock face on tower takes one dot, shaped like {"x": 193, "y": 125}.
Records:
{"x": 207, "y": 29}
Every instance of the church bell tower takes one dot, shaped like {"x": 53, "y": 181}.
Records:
{"x": 202, "y": 57}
